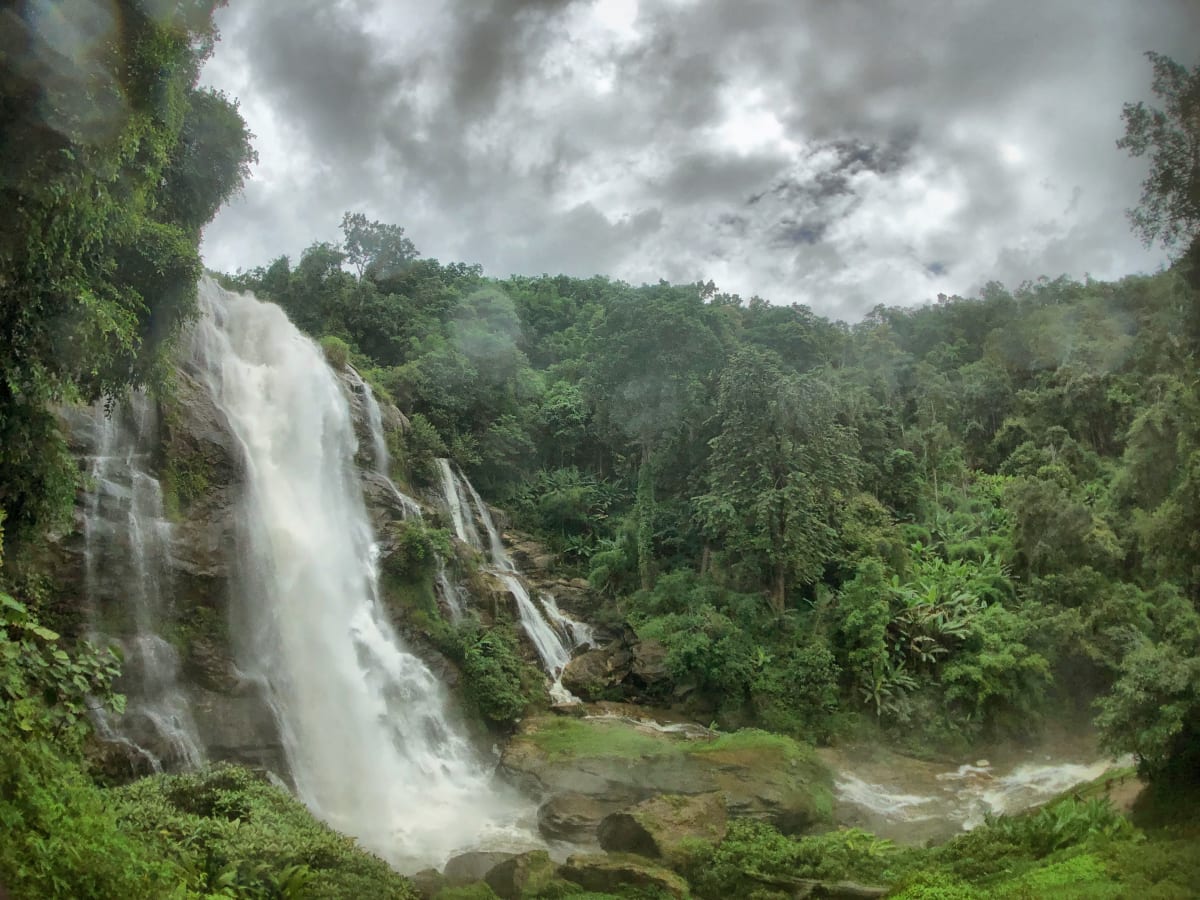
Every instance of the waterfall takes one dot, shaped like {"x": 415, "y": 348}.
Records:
{"x": 553, "y": 634}
{"x": 379, "y": 450}
{"x": 381, "y": 460}
{"x": 127, "y": 540}
{"x": 364, "y": 722}
{"x": 447, "y": 590}
{"x": 460, "y": 512}
{"x": 580, "y": 634}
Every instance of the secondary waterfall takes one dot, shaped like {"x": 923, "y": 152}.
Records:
{"x": 553, "y": 634}
{"x": 364, "y": 722}
{"x": 127, "y": 541}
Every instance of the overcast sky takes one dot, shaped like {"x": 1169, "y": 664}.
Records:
{"x": 839, "y": 153}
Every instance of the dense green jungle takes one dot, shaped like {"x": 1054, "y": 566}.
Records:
{"x": 941, "y": 528}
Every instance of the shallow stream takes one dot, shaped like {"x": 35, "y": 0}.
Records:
{"x": 912, "y": 801}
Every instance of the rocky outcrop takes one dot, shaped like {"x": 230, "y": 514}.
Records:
{"x": 532, "y": 557}
{"x": 658, "y": 827}
{"x": 574, "y": 817}
{"x": 526, "y": 875}
{"x": 621, "y": 762}
{"x": 467, "y": 868}
{"x": 627, "y": 667}
{"x": 610, "y": 874}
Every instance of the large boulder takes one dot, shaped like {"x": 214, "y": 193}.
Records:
{"x": 528, "y": 874}
{"x": 649, "y": 667}
{"x": 574, "y": 817}
{"x": 756, "y": 775}
{"x": 427, "y": 883}
{"x": 593, "y": 674}
{"x": 467, "y": 868}
{"x": 627, "y": 666}
{"x": 610, "y": 874}
{"x": 657, "y": 827}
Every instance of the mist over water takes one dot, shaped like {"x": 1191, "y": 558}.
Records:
{"x": 365, "y": 723}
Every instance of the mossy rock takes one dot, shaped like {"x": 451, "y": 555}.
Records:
{"x": 528, "y": 874}
{"x": 756, "y": 774}
{"x": 472, "y": 866}
{"x": 613, "y": 873}
{"x": 658, "y": 827}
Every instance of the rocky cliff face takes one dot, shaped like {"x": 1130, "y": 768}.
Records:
{"x": 187, "y": 447}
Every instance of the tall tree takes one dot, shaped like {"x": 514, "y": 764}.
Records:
{"x": 376, "y": 250}
{"x": 113, "y": 160}
{"x": 778, "y": 472}
{"x": 1170, "y": 207}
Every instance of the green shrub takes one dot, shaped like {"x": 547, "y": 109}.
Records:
{"x": 244, "y": 837}
{"x": 337, "y": 352}
{"x": 62, "y": 835}
{"x": 497, "y": 681}
{"x": 1063, "y": 824}
{"x": 418, "y": 547}
{"x": 45, "y": 691}
{"x": 755, "y": 857}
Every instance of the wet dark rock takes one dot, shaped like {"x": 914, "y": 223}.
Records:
{"x": 657, "y": 827}
{"x": 626, "y": 667}
{"x": 427, "y": 883}
{"x": 608, "y": 874}
{"x": 574, "y": 817}
{"x": 528, "y": 874}
{"x": 467, "y": 868}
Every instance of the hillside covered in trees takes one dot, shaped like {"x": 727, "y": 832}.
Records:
{"x": 953, "y": 520}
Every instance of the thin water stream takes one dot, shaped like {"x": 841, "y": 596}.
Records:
{"x": 553, "y": 633}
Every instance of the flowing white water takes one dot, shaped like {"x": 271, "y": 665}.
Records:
{"x": 125, "y": 526}
{"x": 450, "y": 592}
{"x": 364, "y": 722}
{"x": 381, "y": 460}
{"x": 911, "y": 801}
{"x": 460, "y": 512}
{"x": 579, "y": 633}
{"x": 554, "y": 634}
{"x": 379, "y": 450}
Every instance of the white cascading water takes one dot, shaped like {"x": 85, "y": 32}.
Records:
{"x": 379, "y": 450}
{"x": 460, "y": 511}
{"x": 364, "y": 722}
{"x": 580, "y": 633}
{"x": 553, "y": 644}
{"x": 910, "y": 801}
{"x": 450, "y": 593}
{"x": 125, "y": 525}
{"x": 381, "y": 460}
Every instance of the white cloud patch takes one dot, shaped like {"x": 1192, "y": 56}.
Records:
{"x": 836, "y": 154}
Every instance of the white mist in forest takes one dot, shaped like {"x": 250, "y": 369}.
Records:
{"x": 364, "y": 722}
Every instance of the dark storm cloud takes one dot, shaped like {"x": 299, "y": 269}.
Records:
{"x": 498, "y": 42}
{"x": 840, "y": 154}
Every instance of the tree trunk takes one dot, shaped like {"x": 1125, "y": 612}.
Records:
{"x": 779, "y": 590}
{"x": 645, "y": 520}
